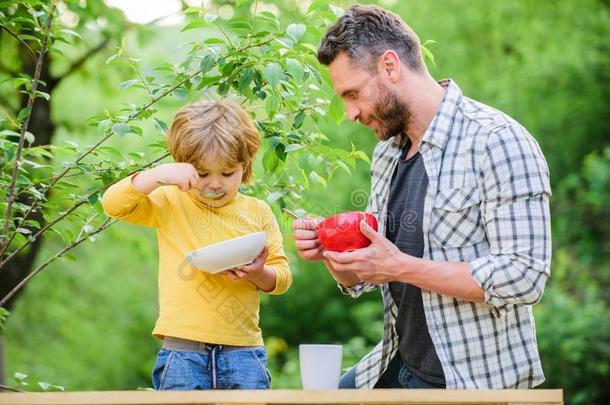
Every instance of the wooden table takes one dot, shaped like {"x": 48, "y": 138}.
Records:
{"x": 376, "y": 397}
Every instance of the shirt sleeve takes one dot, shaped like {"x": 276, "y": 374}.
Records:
{"x": 124, "y": 202}
{"x": 356, "y": 290}
{"x": 373, "y": 208}
{"x": 276, "y": 259}
{"x": 515, "y": 211}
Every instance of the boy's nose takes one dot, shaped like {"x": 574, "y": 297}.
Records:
{"x": 215, "y": 185}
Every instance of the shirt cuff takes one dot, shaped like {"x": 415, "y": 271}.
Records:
{"x": 481, "y": 270}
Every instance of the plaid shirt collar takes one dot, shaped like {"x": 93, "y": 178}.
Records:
{"x": 439, "y": 129}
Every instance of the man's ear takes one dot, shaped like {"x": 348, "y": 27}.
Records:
{"x": 389, "y": 65}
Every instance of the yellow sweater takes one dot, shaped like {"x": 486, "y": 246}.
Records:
{"x": 193, "y": 304}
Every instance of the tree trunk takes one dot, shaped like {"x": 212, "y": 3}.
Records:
{"x": 43, "y": 129}
{"x": 2, "y": 361}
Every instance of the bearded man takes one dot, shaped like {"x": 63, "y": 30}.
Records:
{"x": 461, "y": 193}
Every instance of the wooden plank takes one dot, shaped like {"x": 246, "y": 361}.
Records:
{"x": 364, "y": 397}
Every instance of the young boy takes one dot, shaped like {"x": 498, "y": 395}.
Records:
{"x": 208, "y": 323}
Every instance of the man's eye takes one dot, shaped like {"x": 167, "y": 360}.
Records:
{"x": 228, "y": 174}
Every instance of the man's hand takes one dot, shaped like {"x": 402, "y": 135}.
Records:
{"x": 306, "y": 238}
{"x": 378, "y": 263}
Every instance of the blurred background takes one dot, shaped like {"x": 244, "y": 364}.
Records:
{"x": 84, "y": 323}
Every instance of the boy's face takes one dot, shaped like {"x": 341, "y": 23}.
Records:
{"x": 218, "y": 183}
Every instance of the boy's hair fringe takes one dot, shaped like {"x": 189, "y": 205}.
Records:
{"x": 212, "y": 129}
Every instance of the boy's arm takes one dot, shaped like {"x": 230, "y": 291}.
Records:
{"x": 123, "y": 201}
{"x": 277, "y": 259}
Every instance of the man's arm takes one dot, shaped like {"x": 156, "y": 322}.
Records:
{"x": 382, "y": 262}
{"x": 515, "y": 213}
{"x": 346, "y": 278}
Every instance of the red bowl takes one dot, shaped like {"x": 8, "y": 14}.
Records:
{"x": 341, "y": 232}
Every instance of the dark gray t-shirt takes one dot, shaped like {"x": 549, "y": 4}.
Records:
{"x": 404, "y": 229}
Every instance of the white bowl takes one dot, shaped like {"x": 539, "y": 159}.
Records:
{"x": 229, "y": 253}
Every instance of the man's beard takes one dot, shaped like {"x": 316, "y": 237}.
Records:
{"x": 392, "y": 114}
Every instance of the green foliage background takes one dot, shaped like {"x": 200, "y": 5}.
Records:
{"x": 85, "y": 324}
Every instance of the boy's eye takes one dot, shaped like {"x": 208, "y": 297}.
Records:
{"x": 228, "y": 174}
{"x": 202, "y": 174}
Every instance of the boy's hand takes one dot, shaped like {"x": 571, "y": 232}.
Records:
{"x": 183, "y": 175}
{"x": 250, "y": 271}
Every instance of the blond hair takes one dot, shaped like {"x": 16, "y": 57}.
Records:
{"x": 212, "y": 129}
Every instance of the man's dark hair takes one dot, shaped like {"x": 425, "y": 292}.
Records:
{"x": 364, "y": 33}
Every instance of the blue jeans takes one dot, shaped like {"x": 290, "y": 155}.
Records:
{"x": 397, "y": 375}
{"x": 237, "y": 369}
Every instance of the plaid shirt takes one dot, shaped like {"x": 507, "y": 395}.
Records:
{"x": 487, "y": 203}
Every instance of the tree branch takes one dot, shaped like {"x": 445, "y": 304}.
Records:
{"x": 24, "y": 126}
{"x": 7, "y": 388}
{"x": 108, "y": 222}
{"x": 21, "y": 41}
{"x": 91, "y": 52}
{"x": 66, "y": 213}
{"x": 76, "y": 65}
{"x": 56, "y": 179}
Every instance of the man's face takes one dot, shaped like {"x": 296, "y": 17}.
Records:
{"x": 367, "y": 99}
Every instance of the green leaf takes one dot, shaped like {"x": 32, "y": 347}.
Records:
{"x": 193, "y": 10}
{"x": 316, "y": 178}
{"x": 120, "y": 129}
{"x": 29, "y": 137}
{"x": 23, "y": 231}
{"x": 23, "y": 113}
{"x": 127, "y": 84}
{"x": 298, "y": 119}
{"x": 245, "y": 79}
{"x": 272, "y": 104}
{"x": 160, "y": 125}
{"x": 214, "y": 40}
{"x": 45, "y": 386}
{"x": 136, "y": 130}
{"x": 207, "y": 63}
{"x": 92, "y": 199}
{"x": 273, "y": 197}
{"x": 240, "y": 3}
{"x": 295, "y": 69}
{"x": 70, "y": 33}
{"x": 194, "y": 24}
{"x": 113, "y": 58}
{"x": 273, "y": 73}
{"x": 270, "y": 161}
{"x": 337, "y": 11}
{"x": 296, "y": 31}
{"x": 20, "y": 376}
{"x": 428, "y": 54}
{"x": 343, "y": 166}
{"x": 280, "y": 152}
{"x": 180, "y": 93}
{"x": 335, "y": 109}
{"x": 318, "y": 5}
{"x": 42, "y": 94}
{"x": 3, "y": 317}
{"x": 292, "y": 147}
{"x": 304, "y": 178}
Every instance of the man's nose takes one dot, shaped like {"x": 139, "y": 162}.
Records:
{"x": 352, "y": 111}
